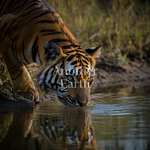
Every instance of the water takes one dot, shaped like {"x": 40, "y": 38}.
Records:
{"x": 117, "y": 120}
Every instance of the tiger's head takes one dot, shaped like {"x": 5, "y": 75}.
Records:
{"x": 69, "y": 73}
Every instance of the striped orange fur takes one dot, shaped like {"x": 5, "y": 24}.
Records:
{"x": 32, "y": 32}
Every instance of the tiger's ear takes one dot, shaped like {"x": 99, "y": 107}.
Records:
{"x": 94, "y": 51}
{"x": 52, "y": 51}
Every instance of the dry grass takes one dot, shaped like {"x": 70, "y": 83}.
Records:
{"x": 4, "y": 75}
{"x": 121, "y": 24}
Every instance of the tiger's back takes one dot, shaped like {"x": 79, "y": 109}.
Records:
{"x": 33, "y": 22}
{"x": 32, "y": 32}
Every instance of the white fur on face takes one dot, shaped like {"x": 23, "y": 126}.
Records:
{"x": 69, "y": 66}
{"x": 93, "y": 48}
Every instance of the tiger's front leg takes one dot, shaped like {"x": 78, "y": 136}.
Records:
{"x": 22, "y": 82}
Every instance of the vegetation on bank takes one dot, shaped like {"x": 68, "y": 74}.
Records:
{"x": 121, "y": 27}
{"x": 117, "y": 25}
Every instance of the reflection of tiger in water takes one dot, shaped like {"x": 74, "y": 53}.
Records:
{"x": 75, "y": 130}
{"x": 72, "y": 129}
{"x": 32, "y": 32}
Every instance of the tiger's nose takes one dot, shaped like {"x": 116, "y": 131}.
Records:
{"x": 83, "y": 103}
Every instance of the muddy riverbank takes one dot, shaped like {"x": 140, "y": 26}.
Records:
{"x": 122, "y": 75}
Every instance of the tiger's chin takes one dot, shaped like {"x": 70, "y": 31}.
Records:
{"x": 65, "y": 100}
{"x": 68, "y": 103}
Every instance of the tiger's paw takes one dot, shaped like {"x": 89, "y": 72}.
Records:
{"x": 30, "y": 93}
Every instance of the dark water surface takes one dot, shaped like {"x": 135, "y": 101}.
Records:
{"x": 117, "y": 120}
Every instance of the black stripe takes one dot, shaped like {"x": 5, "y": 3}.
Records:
{"x": 70, "y": 57}
{"x": 11, "y": 25}
{"x": 39, "y": 58}
{"x": 0, "y": 2}
{"x": 11, "y": 68}
{"x": 61, "y": 40}
{"x": 31, "y": 11}
{"x": 18, "y": 10}
{"x": 35, "y": 49}
{"x": 49, "y": 81}
{"x": 23, "y": 10}
{"x": 69, "y": 46}
{"x": 84, "y": 61}
{"x": 72, "y": 51}
{"x": 13, "y": 6}
{"x": 76, "y": 51}
{"x": 66, "y": 47}
{"x": 69, "y": 101}
{"x": 53, "y": 134}
{"x": 37, "y": 1}
{"x": 4, "y": 26}
{"x": 62, "y": 66}
{"x": 2, "y": 6}
{"x": 52, "y": 33}
{"x": 27, "y": 84}
{"x": 33, "y": 4}
{"x": 74, "y": 62}
{"x": 56, "y": 80}
{"x": 81, "y": 51}
{"x": 24, "y": 53}
{"x": 46, "y": 12}
{"x": 46, "y": 73}
{"x": 46, "y": 21}
{"x": 9, "y": 5}
{"x": 83, "y": 56}
{"x": 57, "y": 131}
{"x": 20, "y": 7}
{"x": 18, "y": 75}
{"x": 18, "y": 4}
{"x": 13, "y": 49}
{"x": 47, "y": 30}
{"x": 62, "y": 29}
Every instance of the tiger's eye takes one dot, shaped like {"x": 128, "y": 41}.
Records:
{"x": 70, "y": 78}
{"x": 88, "y": 80}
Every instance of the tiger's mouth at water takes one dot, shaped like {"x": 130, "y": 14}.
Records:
{"x": 67, "y": 100}
{"x": 69, "y": 103}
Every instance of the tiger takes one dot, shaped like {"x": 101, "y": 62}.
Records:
{"x": 32, "y": 32}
